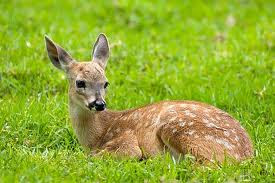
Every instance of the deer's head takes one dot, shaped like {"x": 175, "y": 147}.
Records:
{"x": 88, "y": 82}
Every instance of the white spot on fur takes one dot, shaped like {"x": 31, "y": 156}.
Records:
{"x": 226, "y": 133}
{"x": 187, "y": 112}
{"x": 190, "y": 114}
{"x": 191, "y": 123}
{"x": 194, "y": 107}
{"x": 209, "y": 137}
{"x": 191, "y": 132}
{"x": 237, "y": 138}
{"x": 174, "y": 113}
{"x": 206, "y": 111}
{"x": 212, "y": 119}
{"x": 136, "y": 115}
{"x": 205, "y": 121}
{"x": 223, "y": 142}
{"x": 174, "y": 130}
{"x": 218, "y": 118}
{"x": 117, "y": 130}
{"x": 183, "y": 105}
{"x": 156, "y": 119}
{"x": 153, "y": 109}
{"x": 170, "y": 106}
{"x": 182, "y": 124}
{"x": 173, "y": 118}
{"x": 211, "y": 125}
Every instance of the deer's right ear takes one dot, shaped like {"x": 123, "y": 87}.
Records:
{"x": 58, "y": 56}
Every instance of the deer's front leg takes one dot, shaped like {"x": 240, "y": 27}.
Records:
{"x": 124, "y": 144}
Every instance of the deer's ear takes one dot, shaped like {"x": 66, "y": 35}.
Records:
{"x": 101, "y": 50}
{"x": 58, "y": 56}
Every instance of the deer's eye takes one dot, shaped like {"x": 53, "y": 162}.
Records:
{"x": 106, "y": 85}
{"x": 80, "y": 84}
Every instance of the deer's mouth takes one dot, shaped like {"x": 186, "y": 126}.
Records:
{"x": 96, "y": 109}
{"x": 90, "y": 106}
{"x": 96, "y": 106}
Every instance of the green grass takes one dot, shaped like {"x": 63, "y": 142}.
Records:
{"x": 216, "y": 52}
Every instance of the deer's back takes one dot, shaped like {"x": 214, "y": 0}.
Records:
{"x": 186, "y": 126}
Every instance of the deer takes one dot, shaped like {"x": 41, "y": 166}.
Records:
{"x": 175, "y": 127}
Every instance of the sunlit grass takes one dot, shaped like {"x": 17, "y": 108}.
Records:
{"x": 215, "y": 52}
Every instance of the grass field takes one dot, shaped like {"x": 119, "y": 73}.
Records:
{"x": 216, "y": 52}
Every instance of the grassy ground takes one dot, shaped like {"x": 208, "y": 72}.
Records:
{"x": 216, "y": 52}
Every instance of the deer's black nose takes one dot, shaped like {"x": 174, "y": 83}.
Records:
{"x": 100, "y": 105}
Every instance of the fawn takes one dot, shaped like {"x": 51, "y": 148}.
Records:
{"x": 177, "y": 127}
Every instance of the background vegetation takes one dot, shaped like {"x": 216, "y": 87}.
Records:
{"x": 217, "y": 52}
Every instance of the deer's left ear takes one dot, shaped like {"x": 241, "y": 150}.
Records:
{"x": 101, "y": 50}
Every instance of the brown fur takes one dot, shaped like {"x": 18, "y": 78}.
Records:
{"x": 179, "y": 127}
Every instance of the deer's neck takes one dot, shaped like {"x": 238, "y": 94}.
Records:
{"x": 90, "y": 126}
